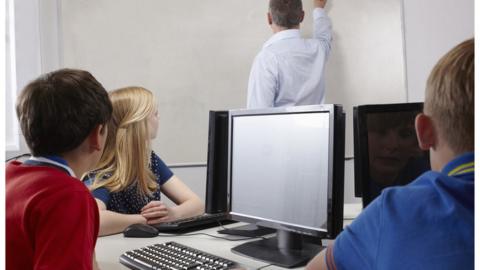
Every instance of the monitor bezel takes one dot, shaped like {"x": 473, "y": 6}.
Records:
{"x": 360, "y": 141}
{"x": 331, "y": 230}
{"x": 216, "y": 188}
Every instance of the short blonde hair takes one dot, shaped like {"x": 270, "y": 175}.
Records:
{"x": 126, "y": 157}
{"x": 449, "y": 97}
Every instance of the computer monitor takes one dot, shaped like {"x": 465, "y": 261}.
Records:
{"x": 217, "y": 163}
{"x": 216, "y": 194}
{"x": 386, "y": 148}
{"x": 286, "y": 170}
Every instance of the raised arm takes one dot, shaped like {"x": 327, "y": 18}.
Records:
{"x": 322, "y": 26}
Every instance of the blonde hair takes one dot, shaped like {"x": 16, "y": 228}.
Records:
{"x": 126, "y": 157}
{"x": 449, "y": 97}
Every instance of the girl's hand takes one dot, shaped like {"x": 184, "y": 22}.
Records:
{"x": 156, "y": 212}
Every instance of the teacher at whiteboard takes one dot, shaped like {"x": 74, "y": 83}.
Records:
{"x": 289, "y": 70}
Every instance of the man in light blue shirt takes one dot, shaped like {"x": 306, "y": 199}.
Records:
{"x": 289, "y": 70}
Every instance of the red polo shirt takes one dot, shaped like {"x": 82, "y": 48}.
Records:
{"x": 51, "y": 219}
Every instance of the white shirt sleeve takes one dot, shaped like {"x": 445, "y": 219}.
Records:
{"x": 322, "y": 28}
{"x": 263, "y": 83}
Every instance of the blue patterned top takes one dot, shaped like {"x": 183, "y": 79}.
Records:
{"x": 129, "y": 201}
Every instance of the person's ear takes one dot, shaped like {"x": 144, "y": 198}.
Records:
{"x": 103, "y": 129}
{"x": 95, "y": 137}
{"x": 425, "y": 131}
{"x": 303, "y": 16}
{"x": 269, "y": 18}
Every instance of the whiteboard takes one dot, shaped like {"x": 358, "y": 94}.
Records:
{"x": 432, "y": 28}
{"x": 196, "y": 56}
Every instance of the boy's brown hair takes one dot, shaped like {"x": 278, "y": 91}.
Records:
{"x": 449, "y": 97}
{"x": 60, "y": 109}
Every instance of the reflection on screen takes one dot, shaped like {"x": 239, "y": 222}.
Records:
{"x": 393, "y": 152}
{"x": 280, "y": 168}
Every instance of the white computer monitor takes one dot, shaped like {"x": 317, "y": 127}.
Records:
{"x": 286, "y": 173}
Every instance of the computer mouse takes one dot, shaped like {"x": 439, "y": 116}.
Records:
{"x": 140, "y": 230}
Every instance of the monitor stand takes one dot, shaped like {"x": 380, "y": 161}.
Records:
{"x": 249, "y": 230}
{"x": 286, "y": 250}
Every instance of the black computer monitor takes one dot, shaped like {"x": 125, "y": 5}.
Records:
{"x": 286, "y": 170}
{"x": 217, "y": 163}
{"x": 386, "y": 148}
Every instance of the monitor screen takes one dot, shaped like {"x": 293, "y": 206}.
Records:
{"x": 282, "y": 168}
{"x": 279, "y": 166}
{"x": 386, "y": 151}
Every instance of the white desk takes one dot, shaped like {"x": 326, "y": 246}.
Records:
{"x": 109, "y": 248}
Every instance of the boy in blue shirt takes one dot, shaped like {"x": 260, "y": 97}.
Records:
{"x": 428, "y": 224}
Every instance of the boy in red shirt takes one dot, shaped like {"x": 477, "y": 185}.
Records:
{"x": 51, "y": 218}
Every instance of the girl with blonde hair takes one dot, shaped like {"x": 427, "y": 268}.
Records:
{"x": 130, "y": 176}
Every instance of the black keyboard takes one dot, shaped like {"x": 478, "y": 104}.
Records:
{"x": 191, "y": 222}
{"x": 174, "y": 256}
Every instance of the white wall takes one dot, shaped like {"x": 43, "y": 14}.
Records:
{"x": 12, "y": 142}
{"x": 194, "y": 177}
{"x": 49, "y": 23}
{"x": 366, "y": 65}
{"x": 432, "y": 27}
{"x": 37, "y": 51}
{"x": 28, "y": 63}
{"x": 349, "y": 190}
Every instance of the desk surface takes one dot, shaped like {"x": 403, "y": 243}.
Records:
{"x": 109, "y": 248}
